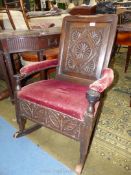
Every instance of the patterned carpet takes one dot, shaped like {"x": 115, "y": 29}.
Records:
{"x": 113, "y": 135}
{"x": 111, "y": 148}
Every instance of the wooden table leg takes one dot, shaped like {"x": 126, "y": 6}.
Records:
{"x": 43, "y": 74}
{"x": 7, "y": 92}
{"x": 10, "y": 73}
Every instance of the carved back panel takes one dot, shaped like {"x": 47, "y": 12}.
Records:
{"x": 85, "y": 47}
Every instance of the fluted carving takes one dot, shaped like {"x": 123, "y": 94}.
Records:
{"x": 18, "y": 43}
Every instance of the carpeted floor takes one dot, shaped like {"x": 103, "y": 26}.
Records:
{"x": 113, "y": 135}
{"x": 28, "y": 154}
{"x": 110, "y": 153}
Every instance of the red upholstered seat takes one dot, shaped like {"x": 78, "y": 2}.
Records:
{"x": 65, "y": 97}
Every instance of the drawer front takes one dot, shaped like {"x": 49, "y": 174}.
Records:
{"x": 23, "y": 44}
{"x": 49, "y": 41}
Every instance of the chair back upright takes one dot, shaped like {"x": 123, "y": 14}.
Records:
{"x": 85, "y": 47}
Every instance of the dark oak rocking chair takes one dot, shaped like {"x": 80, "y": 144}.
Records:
{"x": 69, "y": 103}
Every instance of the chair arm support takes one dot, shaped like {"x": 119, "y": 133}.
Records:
{"x": 104, "y": 82}
{"x": 93, "y": 97}
{"x": 17, "y": 79}
{"x": 96, "y": 88}
{"x": 38, "y": 66}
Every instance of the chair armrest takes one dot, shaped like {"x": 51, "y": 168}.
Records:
{"x": 104, "y": 82}
{"x": 95, "y": 90}
{"x": 38, "y": 66}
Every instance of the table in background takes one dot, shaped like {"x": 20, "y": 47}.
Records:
{"x": 22, "y": 41}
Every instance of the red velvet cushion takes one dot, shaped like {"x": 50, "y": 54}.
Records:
{"x": 62, "y": 96}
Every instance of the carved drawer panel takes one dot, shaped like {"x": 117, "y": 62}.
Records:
{"x": 51, "y": 119}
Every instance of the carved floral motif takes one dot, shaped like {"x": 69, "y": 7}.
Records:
{"x": 51, "y": 118}
{"x": 83, "y": 51}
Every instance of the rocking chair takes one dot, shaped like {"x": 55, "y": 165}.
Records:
{"x": 69, "y": 104}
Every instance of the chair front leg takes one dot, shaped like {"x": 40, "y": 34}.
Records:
{"x": 85, "y": 140}
{"x": 87, "y": 128}
{"x": 20, "y": 120}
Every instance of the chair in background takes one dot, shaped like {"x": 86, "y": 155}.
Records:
{"x": 14, "y": 18}
{"x": 124, "y": 39}
{"x": 17, "y": 16}
{"x": 69, "y": 103}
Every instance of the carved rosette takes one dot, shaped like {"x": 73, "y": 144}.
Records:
{"x": 83, "y": 51}
{"x": 51, "y": 119}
